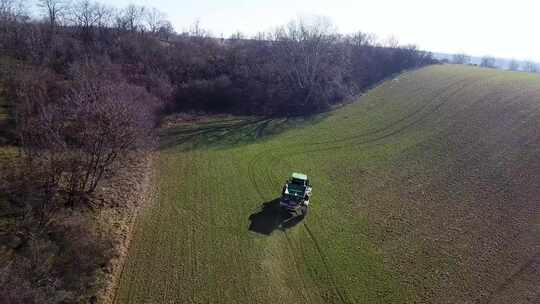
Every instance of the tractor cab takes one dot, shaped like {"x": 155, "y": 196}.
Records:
{"x": 299, "y": 179}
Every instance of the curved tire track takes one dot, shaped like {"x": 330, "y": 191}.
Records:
{"x": 341, "y": 295}
{"x": 445, "y": 94}
{"x": 298, "y": 270}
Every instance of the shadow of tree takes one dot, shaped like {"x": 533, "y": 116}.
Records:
{"x": 271, "y": 217}
{"x": 228, "y": 132}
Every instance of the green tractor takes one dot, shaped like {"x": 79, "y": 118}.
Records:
{"x": 296, "y": 193}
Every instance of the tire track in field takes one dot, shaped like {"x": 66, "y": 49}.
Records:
{"x": 394, "y": 123}
{"x": 384, "y": 128}
{"x": 297, "y": 267}
{"x": 464, "y": 82}
{"x": 461, "y": 84}
{"x": 260, "y": 156}
{"x": 290, "y": 246}
{"x": 531, "y": 263}
{"x": 342, "y": 295}
{"x": 320, "y": 253}
{"x": 251, "y": 173}
{"x": 322, "y": 256}
{"x": 389, "y": 126}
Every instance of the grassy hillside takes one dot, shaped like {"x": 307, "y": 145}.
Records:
{"x": 425, "y": 190}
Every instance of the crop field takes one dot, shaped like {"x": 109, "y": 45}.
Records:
{"x": 425, "y": 190}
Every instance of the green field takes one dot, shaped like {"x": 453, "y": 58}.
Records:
{"x": 426, "y": 189}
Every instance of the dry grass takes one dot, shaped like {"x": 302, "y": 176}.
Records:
{"x": 134, "y": 191}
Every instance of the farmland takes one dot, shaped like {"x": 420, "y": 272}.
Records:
{"x": 425, "y": 190}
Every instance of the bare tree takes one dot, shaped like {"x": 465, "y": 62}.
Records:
{"x": 53, "y": 10}
{"x": 391, "y": 42}
{"x": 488, "y": 62}
{"x": 106, "y": 16}
{"x": 304, "y": 50}
{"x": 155, "y": 19}
{"x": 12, "y": 10}
{"x": 461, "y": 58}
{"x": 513, "y": 65}
{"x": 197, "y": 31}
{"x": 85, "y": 14}
{"x": 13, "y": 15}
{"x": 361, "y": 39}
{"x": 76, "y": 140}
{"x": 166, "y": 30}
{"x": 103, "y": 123}
{"x": 131, "y": 18}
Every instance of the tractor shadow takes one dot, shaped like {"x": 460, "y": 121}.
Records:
{"x": 271, "y": 217}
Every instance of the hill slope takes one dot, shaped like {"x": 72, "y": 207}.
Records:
{"x": 425, "y": 190}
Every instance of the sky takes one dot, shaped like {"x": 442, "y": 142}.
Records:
{"x": 507, "y": 29}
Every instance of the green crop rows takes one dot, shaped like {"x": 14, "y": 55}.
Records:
{"x": 405, "y": 185}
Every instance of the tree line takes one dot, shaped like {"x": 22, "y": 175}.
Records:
{"x": 300, "y": 68}
{"x": 491, "y": 62}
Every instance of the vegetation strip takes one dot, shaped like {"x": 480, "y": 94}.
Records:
{"x": 144, "y": 196}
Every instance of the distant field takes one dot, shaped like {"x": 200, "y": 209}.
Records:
{"x": 426, "y": 190}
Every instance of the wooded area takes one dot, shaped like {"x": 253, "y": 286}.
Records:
{"x": 300, "y": 68}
